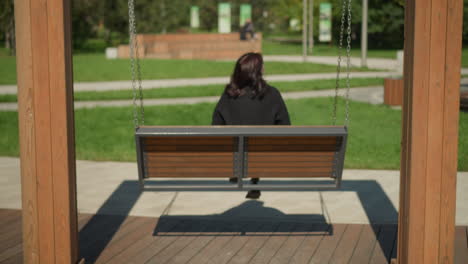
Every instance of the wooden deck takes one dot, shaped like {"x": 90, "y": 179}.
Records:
{"x": 120, "y": 239}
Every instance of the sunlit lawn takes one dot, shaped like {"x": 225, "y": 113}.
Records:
{"x": 107, "y": 133}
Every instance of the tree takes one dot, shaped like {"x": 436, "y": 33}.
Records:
{"x": 7, "y": 24}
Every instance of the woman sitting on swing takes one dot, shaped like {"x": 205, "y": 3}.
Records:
{"x": 249, "y": 100}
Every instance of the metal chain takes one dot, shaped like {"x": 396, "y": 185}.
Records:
{"x": 338, "y": 68}
{"x": 138, "y": 114}
{"x": 348, "y": 65}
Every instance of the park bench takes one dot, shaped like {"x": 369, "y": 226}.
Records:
{"x": 243, "y": 152}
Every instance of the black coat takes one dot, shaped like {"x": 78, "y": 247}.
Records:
{"x": 248, "y": 110}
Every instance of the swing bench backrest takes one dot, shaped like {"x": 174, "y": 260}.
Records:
{"x": 241, "y": 152}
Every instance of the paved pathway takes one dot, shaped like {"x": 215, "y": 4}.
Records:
{"x": 112, "y": 187}
{"x": 167, "y": 83}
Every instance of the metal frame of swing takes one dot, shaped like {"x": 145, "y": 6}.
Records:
{"x": 241, "y": 133}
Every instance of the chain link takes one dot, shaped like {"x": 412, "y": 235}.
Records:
{"x": 138, "y": 113}
{"x": 346, "y": 8}
{"x": 348, "y": 65}
{"x": 338, "y": 68}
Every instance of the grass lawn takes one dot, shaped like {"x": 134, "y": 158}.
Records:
{"x": 95, "y": 67}
{"x": 276, "y": 48}
{"x": 107, "y": 133}
{"x": 209, "y": 90}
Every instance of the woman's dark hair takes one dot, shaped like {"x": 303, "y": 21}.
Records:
{"x": 248, "y": 73}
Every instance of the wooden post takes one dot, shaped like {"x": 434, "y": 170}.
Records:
{"x": 430, "y": 131}
{"x": 46, "y": 125}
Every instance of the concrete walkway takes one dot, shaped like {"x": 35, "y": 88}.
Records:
{"x": 111, "y": 187}
{"x": 170, "y": 83}
{"x": 373, "y": 95}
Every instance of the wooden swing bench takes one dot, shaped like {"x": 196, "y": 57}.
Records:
{"x": 243, "y": 152}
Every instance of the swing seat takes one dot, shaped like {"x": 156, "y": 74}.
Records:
{"x": 243, "y": 152}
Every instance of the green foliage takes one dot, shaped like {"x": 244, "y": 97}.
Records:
{"x": 7, "y": 24}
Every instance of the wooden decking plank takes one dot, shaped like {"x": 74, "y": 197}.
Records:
{"x": 310, "y": 244}
{"x": 289, "y": 247}
{"x": 347, "y": 245}
{"x": 10, "y": 252}
{"x": 226, "y": 253}
{"x": 11, "y": 240}
{"x": 16, "y": 259}
{"x": 103, "y": 225}
{"x": 12, "y": 218}
{"x": 126, "y": 255}
{"x": 126, "y": 237}
{"x": 365, "y": 245}
{"x": 273, "y": 244}
{"x": 257, "y": 240}
{"x": 199, "y": 243}
{"x": 159, "y": 243}
{"x": 228, "y": 231}
{"x": 94, "y": 245}
{"x": 461, "y": 245}
{"x": 328, "y": 245}
{"x": 383, "y": 247}
{"x": 195, "y": 228}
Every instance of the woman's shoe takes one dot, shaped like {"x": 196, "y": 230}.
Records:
{"x": 233, "y": 180}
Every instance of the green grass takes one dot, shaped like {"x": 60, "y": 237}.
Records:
{"x": 208, "y": 90}
{"x": 276, "y": 48}
{"x": 107, "y": 133}
{"x": 95, "y": 67}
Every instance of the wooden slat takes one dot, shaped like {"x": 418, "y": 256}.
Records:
{"x": 290, "y": 175}
{"x": 259, "y": 236}
{"x": 237, "y": 243}
{"x": 189, "y": 148}
{"x": 365, "y": 245}
{"x": 309, "y": 246}
{"x": 347, "y": 245}
{"x": 195, "y": 227}
{"x": 383, "y": 248}
{"x": 292, "y": 154}
{"x": 128, "y": 254}
{"x": 176, "y": 165}
{"x": 461, "y": 245}
{"x": 291, "y": 148}
{"x": 188, "y": 141}
{"x": 199, "y": 243}
{"x": 130, "y": 237}
{"x": 221, "y": 155}
{"x": 273, "y": 244}
{"x": 293, "y": 140}
{"x": 159, "y": 244}
{"x": 289, "y": 247}
{"x": 189, "y": 160}
{"x": 287, "y": 165}
{"x": 175, "y": 170}
{"x": 328, "y": 245}
{"x": 229, "y": 231}
{"x": 289, "y": 158}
